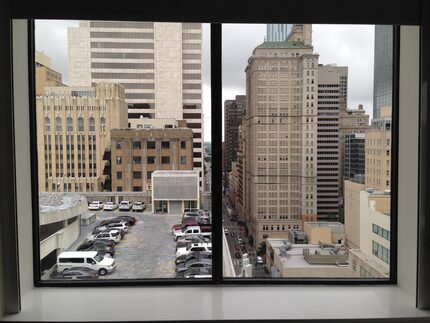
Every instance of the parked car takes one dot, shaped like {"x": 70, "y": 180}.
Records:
{"x": 193, "y": 255}
{"x": 193, "y": 239}
{"x": 226, "y": 231}
{"x": 138, "y": 206}
{"x": 95, "y": 205}
{"x": 116, "y": 225}
{"x": 105, "y": 223}
{"x": 102, "y": 249}
{"x": 113, "y": 235}
{"x": 89, "y": 259}
{"x": 191, "y": 215}
{"x": 131, "y": 220}
{"x": 238, "y": 255}
{"x": 259, "y": 260}
{"x": 110, "y": 206}
{"x": 79, "y": 273}
{"x": 194, "y": 263}
{"x": 194, "y": 247}
{"x": 196, "y": 273}
{"x": 125, "y": 206}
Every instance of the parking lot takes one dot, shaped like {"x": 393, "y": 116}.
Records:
{"x": 146, "y": 251}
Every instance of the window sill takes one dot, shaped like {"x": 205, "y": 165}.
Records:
{"x": 217, "y": 303}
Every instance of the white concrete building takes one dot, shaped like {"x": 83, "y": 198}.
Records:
{"x": 175, "y": 191}
{"x": 59, "y": 220}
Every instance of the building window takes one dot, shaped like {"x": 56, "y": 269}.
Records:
{"x": 137, "y": 188}
{"x": 118, "y": 160}
{"x": 47, "y": 123}
{"x": 165, "y": 144}
{"x": 148, "y": 175}
{"x": 183, "y": 144}
{"x": 150, "y": 145}
{"x": 69, "y": 124}
{"x": 102, "y": 124}
{"x": 119, "y": 188}
{"x": 118, "y": 175}
{"x": 381, "y": 252}
{"x": 183, "y": 160}
{"x": 137, "y": 160}
{"x": 137, "y": 175}
{"x": 165, "y": 160}
{"x": 137, "y": 144}
{"x": 92, "y": 124}
{"x": 150, "y": 160}
{"x": 58, "y": 126}
{"x": 80, "y": 124}
{"x": 118, "y": 145}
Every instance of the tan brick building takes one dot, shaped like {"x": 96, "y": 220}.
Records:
{"x": 378, "y": 152}
{"x": 45, "y": 75}
{"x": 280, "y": 129}
{"x": 73, "y": 132}
{"x": 136, "y": 153}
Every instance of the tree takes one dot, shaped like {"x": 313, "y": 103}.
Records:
{"x": 262, "y": 249}
{"x": 251, "y": 240}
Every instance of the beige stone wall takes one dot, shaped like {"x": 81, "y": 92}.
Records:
{"x": 46, "y": 77}
{"x": 352, "y": 212}
{"x": 59, "y": 145}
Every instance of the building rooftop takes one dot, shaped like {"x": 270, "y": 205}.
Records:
{"x": 286, "y": 44}
{"x": 52, "y": 202}
{"x": 336, "y": 227}
{"x": 295, "y": 258}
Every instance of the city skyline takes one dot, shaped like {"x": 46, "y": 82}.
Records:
{"x": 346, "y": 45}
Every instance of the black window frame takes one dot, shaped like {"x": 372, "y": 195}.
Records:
{"x": 382, "y": 13}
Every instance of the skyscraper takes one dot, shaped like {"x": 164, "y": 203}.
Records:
{"x": 233, "y": 116}
{"x": 354, "y": 157}
{"x": 383, "y": 68}
{"x": 159, "y": 64}
{"x": 280, "y": 129}
{"x": 278, "y": 32}
{"x": 332, "y": 85}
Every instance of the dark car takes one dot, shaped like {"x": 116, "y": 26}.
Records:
{"x": 196, "y": 273}
{"x": 238, "y": 255}
{"x": 79, "y": 273}
{"x": 194, "y": 263}
{"x": 193, "y": 255}
{"x": 131, "y": 220}
{"x": 101, "y": 248}
{"x": 192, "y": 239}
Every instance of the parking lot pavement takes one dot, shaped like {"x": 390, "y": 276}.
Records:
{"x": 148, "y": 249}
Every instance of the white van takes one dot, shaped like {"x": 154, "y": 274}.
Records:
{"x": 89, "y": 259}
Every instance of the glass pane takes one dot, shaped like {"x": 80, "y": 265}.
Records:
{"x": 307, "y": 149}
{"x": 122, "y": 149}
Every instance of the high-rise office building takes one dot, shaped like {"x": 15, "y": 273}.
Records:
{"x": 45, "y": 75}
{"x": 378, "y": 152}
{"x": 351, "y": 121}
{"x": 73, "y": 134}
{"x": 383, "y": 68}
{"x": 332, "y": 85}
{"x": 233, "y": 116}
{"x": 280, "y": 128}
{"x": 354, "y": 157}
{"x": 159, "y": 64}
{"x": 278, "y": 32}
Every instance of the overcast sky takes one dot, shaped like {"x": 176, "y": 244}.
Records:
{"x": 344, "y": 45}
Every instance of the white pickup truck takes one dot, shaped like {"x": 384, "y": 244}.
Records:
{"x": 193, "y": 230}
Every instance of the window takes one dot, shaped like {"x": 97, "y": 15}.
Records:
{"x": 137, "y": 175}
{"x": 150, "y": 159}
{"x": 165, "y": 144}
{"x": 150, "y": 145}
{"x": 148, "y": 175}
{"x": 118, "y": 175}
{"x": 183, "y": 144}
{"x": 58, "y": 126}
{"x": 69, "y": 124}
{"x": 118, "y": 145}
{"x": 137, "y": 144}
{"x": 165, "y": 160}
{"x": 118, "y": 160}
{"x": 80, "y": 124}
{"x": 183, "y": 160}
{"x": 102, "y": 124}
{"x": 47, "y": 124}
{"x": 137, "y": 160}
{"x": 92, "y": 124}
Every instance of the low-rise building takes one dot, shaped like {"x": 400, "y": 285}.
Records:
{"x": 59, "y": 220}
{"x": 324, "y": 232}
{"x": 284, "y": 259}
{"x": 175, "y": 191}
{"x": 136, "y": 153}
